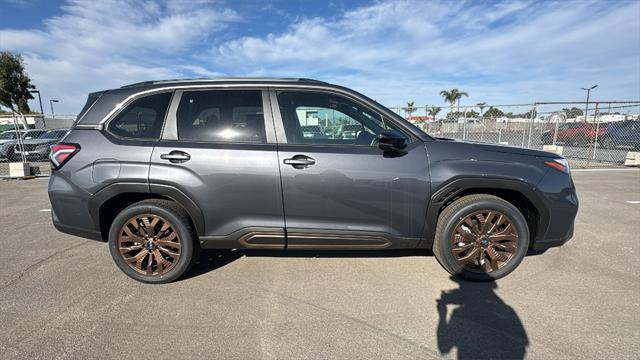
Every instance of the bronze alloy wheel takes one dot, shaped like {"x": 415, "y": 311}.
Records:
{"x": 149, "y": 244}
{"x": 484, "y": 241}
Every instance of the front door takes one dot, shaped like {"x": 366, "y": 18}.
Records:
{"x": 339, "y": 188}
{"x": 218, "y": 148}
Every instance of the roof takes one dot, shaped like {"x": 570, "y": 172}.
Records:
{"x": 225, "y": 80}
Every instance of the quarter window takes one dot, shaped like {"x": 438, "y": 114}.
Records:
{"x": 221, "y": 116}
{"x": 142, "y": 119}
{"x": 319, "y": 118}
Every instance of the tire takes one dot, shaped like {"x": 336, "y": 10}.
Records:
{"x": 447, "y": 239}
{"x": 608, "y": 143}
{"x": 580, "y": 140}
{"x": 178, "y": 252}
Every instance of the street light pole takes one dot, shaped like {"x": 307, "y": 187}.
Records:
{"x": 44, "y": 123}
{"x": 51, "y": 101}
{"x": 586, "y": 107}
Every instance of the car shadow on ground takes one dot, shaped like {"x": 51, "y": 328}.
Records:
{"x": 473, "y": 319}
{"x": 210, "y": 260}
{"x": 478, "y": 323}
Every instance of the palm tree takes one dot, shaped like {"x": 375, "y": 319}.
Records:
{"x": 433, "y": 111}
{"x": 452, "y": 96}
{"x": 481, "y": 105}
{"x": 410, "y": 109}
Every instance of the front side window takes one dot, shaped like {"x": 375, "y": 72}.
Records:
{"x": 142, "y": 119}
{"x": 320, "y": 118}
{"x": 221, "y": 116}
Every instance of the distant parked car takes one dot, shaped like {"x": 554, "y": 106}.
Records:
{"x": 7, "y": 146}
{"x": 38, "y": 148}
{"x": 312, "y": 132}
{"x": 575, "y": 134}
{"x": 7, "y": 136}
{"x": 624, "y": 133}
{"x": 349, "y": 131}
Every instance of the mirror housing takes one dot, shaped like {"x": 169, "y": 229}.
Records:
{"x": 390, "y": 140}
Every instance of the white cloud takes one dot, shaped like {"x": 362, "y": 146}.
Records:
{"x": 500, "y": 52}
{"x": 102, "y": 44}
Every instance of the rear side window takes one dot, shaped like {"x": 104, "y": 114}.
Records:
{"x": 221, "y": 116}
{"x": 142, "y": 119}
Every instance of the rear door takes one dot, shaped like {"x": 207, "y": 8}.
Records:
{"x": 218, "y": 148}
{"x": 339, "y": 189}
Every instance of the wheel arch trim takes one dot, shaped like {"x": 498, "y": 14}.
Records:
{"x": 168, "y": 191}
{"x": 454, "y": 187}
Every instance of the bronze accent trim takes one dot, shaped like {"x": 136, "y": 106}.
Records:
{"x": 369, "y": 240}
{"x": 245, "y": 239}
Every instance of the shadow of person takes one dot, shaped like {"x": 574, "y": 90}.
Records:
{"x": 481, "y": 325}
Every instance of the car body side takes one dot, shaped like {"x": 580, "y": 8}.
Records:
{"x": 248, "y": 197}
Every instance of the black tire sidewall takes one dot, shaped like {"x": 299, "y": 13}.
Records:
{"x": 184, "y": 231}
{"x": 486, "y": 204}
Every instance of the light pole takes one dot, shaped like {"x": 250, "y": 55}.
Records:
{"x": 51, "y": 101}
{"x": 35, "y": 91}
{"x": 586, "y": 107}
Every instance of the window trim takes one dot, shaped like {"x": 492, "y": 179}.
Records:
{"x": 170, "y": 131}
{"x": 279, "y": 124}
{"x": 126, "y": 106}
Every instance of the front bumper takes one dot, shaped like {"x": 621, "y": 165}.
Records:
{"x": 558, "y": 194}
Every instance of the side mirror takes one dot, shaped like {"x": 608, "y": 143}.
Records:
{"x": 390, "y": 140}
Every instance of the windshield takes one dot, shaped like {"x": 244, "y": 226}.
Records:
{"x": 8, "y": 135}
{"x": 55, "y": 134}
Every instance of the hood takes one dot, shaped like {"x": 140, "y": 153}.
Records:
{"x": 40, "y": 141}
{"x": 505, "y": 149}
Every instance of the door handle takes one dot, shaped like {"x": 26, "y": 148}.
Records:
{"x": 300, "y": 161}
{"x": 176, "y": 156}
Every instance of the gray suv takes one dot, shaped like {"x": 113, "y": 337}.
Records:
{"x": 162, "y": 169}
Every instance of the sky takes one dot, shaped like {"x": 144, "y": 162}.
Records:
{"x": 500, "y": 52}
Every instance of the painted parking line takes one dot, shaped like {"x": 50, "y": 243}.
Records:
{"x": 602, "y": 170}
{"x": 633, "y": 202}
{"x": 45, "y": 210}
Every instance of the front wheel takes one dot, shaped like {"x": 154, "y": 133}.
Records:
{"x": 481, "y": 237}
{"x": 152, "y": 241}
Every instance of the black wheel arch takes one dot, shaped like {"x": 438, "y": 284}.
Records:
{"x": 105, "y": 204}
{"x": 520, "y": 193}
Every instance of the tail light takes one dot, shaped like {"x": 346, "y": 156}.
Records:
{"x": 559, "y": 164}
{"x": 61, "y": 153}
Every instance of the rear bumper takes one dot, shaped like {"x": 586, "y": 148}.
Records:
{"x": 83, "y": 233}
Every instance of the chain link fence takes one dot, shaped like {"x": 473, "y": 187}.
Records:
{"x": 587, "y": 134}
{"x": 25, "y": 142}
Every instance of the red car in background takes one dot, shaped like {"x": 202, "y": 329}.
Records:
{"x": 577, "y": 133}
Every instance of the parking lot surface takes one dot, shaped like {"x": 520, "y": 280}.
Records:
{"x": 62, "y": 297}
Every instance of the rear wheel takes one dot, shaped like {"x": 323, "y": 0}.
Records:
{"x": 481, "y": 237}
{"x": 608, "y": 143}
{"x": 152, "y": 241}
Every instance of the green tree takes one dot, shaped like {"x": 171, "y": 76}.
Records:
{"x": 573, "y": 112}
{"x": 14, "y": 83}
{"x": 452, "y": 96}
{"x": 410, "y": 109}
{"x": 494, "y": 112}
{"x": 433, "y": 111}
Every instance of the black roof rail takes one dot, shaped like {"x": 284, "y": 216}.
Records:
{"x": 223, "y": 79}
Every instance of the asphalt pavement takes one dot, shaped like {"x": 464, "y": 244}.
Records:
{"x": 62, "y": 297}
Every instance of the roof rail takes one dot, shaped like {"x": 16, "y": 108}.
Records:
{"x": 223, "y": 79}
